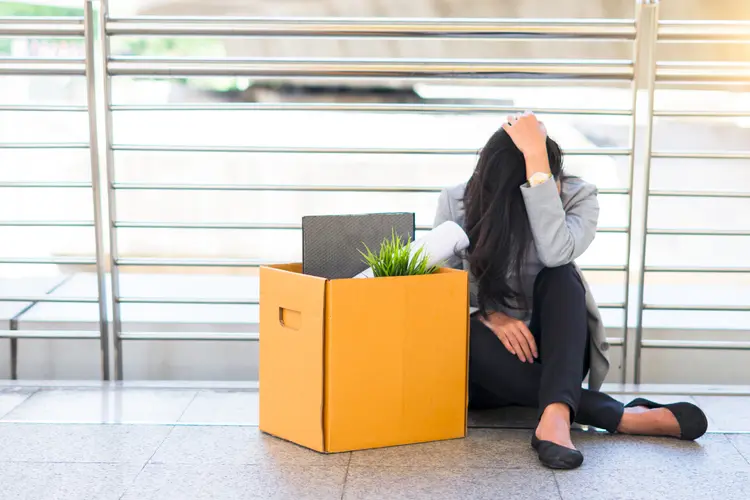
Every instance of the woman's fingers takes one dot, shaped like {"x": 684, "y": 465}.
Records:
{"x": 517, "y": 346}
{"x": 515, "y": 336}
{"x": 500, "y": 334}
{"x": 524, "y": 344}
{"x": 529, "y": 338}
{"x": 507, "y": 344}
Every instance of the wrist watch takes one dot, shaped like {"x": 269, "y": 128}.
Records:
{"x": 539, "y": 178}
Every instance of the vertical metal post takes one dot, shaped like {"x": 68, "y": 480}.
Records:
{"x": 101, "y": 272}
{"x": 111, "y": 202}
{"x": 647, "y": 27}
{"x": 631, "y": 177}
{"x": 13, "y": 353}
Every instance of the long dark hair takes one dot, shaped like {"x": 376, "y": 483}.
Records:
{"x": 497, "y": 223}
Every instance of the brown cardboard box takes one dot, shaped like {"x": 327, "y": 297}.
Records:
{"x": 352, "y": 364}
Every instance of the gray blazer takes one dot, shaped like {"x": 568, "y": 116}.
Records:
{"x": 563, "y": 226}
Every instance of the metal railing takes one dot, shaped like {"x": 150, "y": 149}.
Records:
{"x": 642, "y": 33}
{"x": 403, "y": 69}
{"x": 75, "y": 28}
{"x": 687, "y": 32}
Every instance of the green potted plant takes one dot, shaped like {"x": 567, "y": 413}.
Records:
{"x": 396, "y": 258}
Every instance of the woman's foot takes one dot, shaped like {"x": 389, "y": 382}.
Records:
{"x": 552, "y": 441}
{"x": 680, "y": 420}
{"x": 554, "y": 426}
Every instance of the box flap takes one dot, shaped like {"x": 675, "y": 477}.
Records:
{"x": 292, "y": 308}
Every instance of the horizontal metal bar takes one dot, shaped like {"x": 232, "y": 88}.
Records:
{"x": 480, "y": 29}
{"x": 615, "y": 341}
{"x": 43, "y": 184}
{"x": 41, "y": 67}
{"x": 186, "y": 300}
{"x": 42, "y": 27}
{"x": 702, "y": 114}
{"x": 607, "y": 305}
{"x": 190, "y": 336}
{"x": 264, "y": 68}
{"x": 697, "y": 270}
{"x": 702, "y": 155}
{"x": 50, "y": 299}
{"x": 13, "y": 108}
{"x": 700, "y": 194}
{"x": 301, "y": 187}
{"x": 366, "y": 107}
{"x": 164, "y": 262}
{"x": 729, "y": 345}
{"x": 45, "y": 223}
{"x": 338, "y": 150}
{"x": 702, "y": 72}
{"x": 704, "y": 31}
{"x": 261, "y": 226}
{"x": 701, "y": 308}
{"x": 59, "y": 261}
{"x": 49, "y": 334}
{"x": 276, "y": 187}
{"x": 602, "y": 268}
{"x": 697, "y": 232}
{"x": 36, "y": 145}
{"x": 220, "y": 225}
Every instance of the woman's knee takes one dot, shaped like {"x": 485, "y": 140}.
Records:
{"x": 564, "y": 277}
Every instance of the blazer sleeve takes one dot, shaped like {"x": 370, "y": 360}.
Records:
{"x": 444, "y": 213}
{"x": 561, "y": 234}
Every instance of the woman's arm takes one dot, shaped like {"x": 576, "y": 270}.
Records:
{"x": 561, "y": 236}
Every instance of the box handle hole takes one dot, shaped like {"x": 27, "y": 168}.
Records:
{"x": 289, "y": 318}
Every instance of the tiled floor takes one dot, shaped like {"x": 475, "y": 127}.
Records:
{"x": 184, "y": 444}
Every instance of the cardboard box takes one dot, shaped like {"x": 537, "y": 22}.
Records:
{"x": 353, "y": 364}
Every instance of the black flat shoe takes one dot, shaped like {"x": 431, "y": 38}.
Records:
{"x": 691, "y": 419}
{"x": 555, "y": 456}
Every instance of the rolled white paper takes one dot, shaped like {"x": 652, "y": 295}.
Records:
{"x": 440, "y": 244}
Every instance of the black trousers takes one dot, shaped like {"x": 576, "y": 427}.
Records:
{"x": 559, "y": 325}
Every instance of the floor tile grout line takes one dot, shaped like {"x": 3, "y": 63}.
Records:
{"x": 557, "y": 485}
{"x": 146, "y": 463}
{"x": 746, "y": 458}
{"x": 187, "y": 406}
{"x": 346, "y": 476}
{"x": 6, "y": 414}
{"x": 158, "y": 447}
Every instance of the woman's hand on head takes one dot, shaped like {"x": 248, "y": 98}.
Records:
{"x": 514, "y": 334}
{"x": 528, "y": 134}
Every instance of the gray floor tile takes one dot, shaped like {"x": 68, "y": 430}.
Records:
{"x": 502, "y": 449}
{"x": 742, "y": 443}
{"x": 730, "y": 413}
{"x": 149, "y": 406}
{"x": 670, "y": 482}
{"x": 607, "y": 452}
{"x": 65, "y": 481}
{"x": 79, "y": 443}
{"x": 223, "y": 407}
{"x": 400, "y": 483}
{"x": 227, "y": 482}
{"x": 236, "y": 445}
{"x": 11, "y": 397}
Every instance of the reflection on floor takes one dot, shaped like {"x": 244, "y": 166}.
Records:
{"x": 184, "y": 443}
